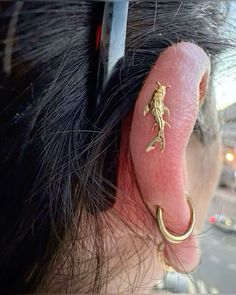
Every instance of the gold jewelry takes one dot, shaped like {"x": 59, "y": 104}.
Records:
{"x": 161, "y": 257}
{"x": 158, "y": 109}
{"x": 166, "y": 266}
{"x": 171, "y": 237}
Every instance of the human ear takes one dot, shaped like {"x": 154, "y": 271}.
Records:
{"x": 161, "y": 173}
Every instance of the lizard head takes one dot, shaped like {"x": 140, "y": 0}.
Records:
{"x": 161, "y": 89}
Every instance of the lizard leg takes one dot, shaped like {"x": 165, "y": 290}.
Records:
{"x": 168, "y": 124}
{"x": 146, "y": 110}
{"x": 152, "y": 144}
{"x": 154, "y": 127}
{"x": 167, "y": 111}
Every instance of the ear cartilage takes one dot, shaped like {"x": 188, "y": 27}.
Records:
{"x": 158, "y": 109}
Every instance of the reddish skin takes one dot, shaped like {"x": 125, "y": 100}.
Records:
{"x": 160, "y": 175}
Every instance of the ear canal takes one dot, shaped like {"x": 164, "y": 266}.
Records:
{"x": 160, "y": 173}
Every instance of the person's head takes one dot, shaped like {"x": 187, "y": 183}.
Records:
{"x": 79, "y": 191}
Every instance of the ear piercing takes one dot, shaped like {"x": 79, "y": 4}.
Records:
{"x": 165, "y": 264}
{"x": 171, "y": 237}
{"x": 158, "y": 109}
{"x": 161, "y": 257}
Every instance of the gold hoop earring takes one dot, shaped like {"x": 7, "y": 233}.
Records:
{"x": 171, "y": 237}
{"x": 161, "y": 257}
{"x": 166, "y": 266}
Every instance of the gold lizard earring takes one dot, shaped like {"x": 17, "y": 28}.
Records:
{"x": 158, "y": 109}
{"x": 170, "y": 237}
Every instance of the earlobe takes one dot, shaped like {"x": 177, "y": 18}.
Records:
{"x": 160, "y": 173}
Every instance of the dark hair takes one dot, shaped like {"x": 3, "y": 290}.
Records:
{"x": 58, "y": 153}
